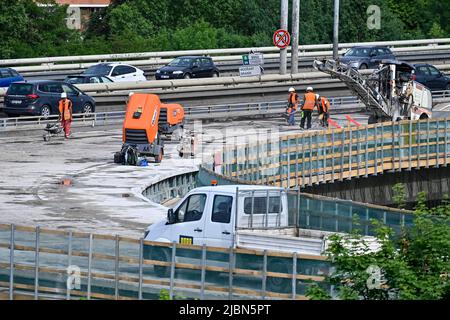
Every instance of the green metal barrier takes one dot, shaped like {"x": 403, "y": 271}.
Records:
{"x": 41, "y": 263}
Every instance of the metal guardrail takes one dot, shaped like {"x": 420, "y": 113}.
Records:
{"x": 44, "y": 264}
{"x": 339, "y": 105}
{"x": 429, "y": 43}
{"x": 432, "y": 54}
{"x": 346, "y": 105}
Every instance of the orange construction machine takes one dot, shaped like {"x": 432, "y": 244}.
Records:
{"x": 171, "y": 118}
{"x": 146, "y": 119}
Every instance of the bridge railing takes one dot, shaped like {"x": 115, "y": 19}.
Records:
{"x": 55, "y": 264}
{"x": 305, "y": 159}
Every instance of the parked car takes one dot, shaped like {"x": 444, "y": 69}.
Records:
{"x": 431, "y": 77}
{"x": 8, "y": 76}
{"x": 42, "y": 98}
{"x": 187, "y": 67}
{"x": 366, "y": 57}
{"x": 87, "y": 78}
{"x": 117, "y": 72}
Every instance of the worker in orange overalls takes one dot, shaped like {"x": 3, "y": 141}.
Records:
{"x": 292, "y": 106}
{"x": 309, "y": 102}
{"x": 65, "y": 114}
{"x": 324, "y": 109}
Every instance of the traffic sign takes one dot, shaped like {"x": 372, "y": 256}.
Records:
{"x": 256, "y": 59}
{"x": 281, "y": 38}
{"x": 249, "y": 71}
{"x": 245, "y": 59}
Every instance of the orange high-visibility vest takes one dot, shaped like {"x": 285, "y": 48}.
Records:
{"x": 325, "y": 104}
{"x": 310, "y": 101}
{"x": 65, "y": 109}
{"x": 293, "y": 98}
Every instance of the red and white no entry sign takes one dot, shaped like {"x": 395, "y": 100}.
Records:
{"x": 281, "y": 38}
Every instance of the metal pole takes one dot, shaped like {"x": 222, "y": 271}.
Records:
{"x": 230, "y": 274}
{"x": 294, "y": 276}
{"x": 202, "y": 290}
{"x": 253, "y": 207}
{"x": 172, "y": 269}
{"x": 89, "y": 267}
{"x": 336, "y": 30}
{"x": 69, "y": 254}
{"x": 11, "y": 266}
{"x": 295, "y": 35}
{"x": 266, "y": 223}
{"x": 264, "y": 275}
{"x": 116, "y": 268}
{"x": 141, "y": 262}
{"x": 284, "y": 25}
{"x": 36, "y": 268}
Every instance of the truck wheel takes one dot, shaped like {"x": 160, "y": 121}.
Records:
{"x": 159, "y": 157}
{"x": 158, "y": 254}
{"x": 281, "y": 285}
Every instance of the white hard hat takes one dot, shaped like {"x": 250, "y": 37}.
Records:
{"x": 131, "y": 93}
{"x": 63, "y": 95}
{"x": 309, "y": 89}
{"x": 291, "y": 89}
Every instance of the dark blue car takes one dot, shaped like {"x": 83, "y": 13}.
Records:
{"x": 8, "y": 76}
{"x": 41, "y": 98}
{"x": 366, "y": 57}
{"x": 431, "y": 77}
{"x": 188, "y": 67}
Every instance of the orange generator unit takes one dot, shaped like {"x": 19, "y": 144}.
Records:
{"x": 171, "y": 118}
{"x": 140, "y": 130}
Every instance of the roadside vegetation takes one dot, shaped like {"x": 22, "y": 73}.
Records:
{"x": 29, "y": 30}
{"x": 411, "y": 265}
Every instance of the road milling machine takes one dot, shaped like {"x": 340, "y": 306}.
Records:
{"x": 389, "y": 93}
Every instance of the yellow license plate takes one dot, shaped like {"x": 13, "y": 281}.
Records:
{"x": 186, "y": 240}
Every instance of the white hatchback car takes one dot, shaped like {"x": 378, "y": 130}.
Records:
{"x": 117, "y": 72}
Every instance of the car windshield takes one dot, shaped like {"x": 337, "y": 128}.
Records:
{"x": 358, "y": 52}
{"x": 99, "y": 69}
{"x": 181, "y": 62}
{"x": 20, "y": 89}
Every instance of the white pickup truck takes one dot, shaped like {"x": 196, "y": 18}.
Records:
{"x": 231, "y": 216}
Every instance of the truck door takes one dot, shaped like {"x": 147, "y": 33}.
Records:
{"x": 191, "y": 217}
{"x": 219, "y": 225}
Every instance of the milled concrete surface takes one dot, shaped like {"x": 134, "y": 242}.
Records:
{"x": 101, "y": 197}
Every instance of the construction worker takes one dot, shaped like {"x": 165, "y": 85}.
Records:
{"x": 292, "y": 106}
{"x": 65, "y": 114}
{"x": 324, "y": 109}
{"x": 309, "y": 102}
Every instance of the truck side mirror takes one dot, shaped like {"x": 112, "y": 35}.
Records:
{"x": 171, "y": 216}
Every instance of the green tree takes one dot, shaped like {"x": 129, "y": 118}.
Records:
{"x": 412, "y": 265}
{"x": 399, "y": 196}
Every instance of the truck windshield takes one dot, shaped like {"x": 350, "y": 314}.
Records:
{"x": 260, "y": 206}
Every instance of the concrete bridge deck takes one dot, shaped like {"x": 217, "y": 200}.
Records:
{"x": 100, "y": 196}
